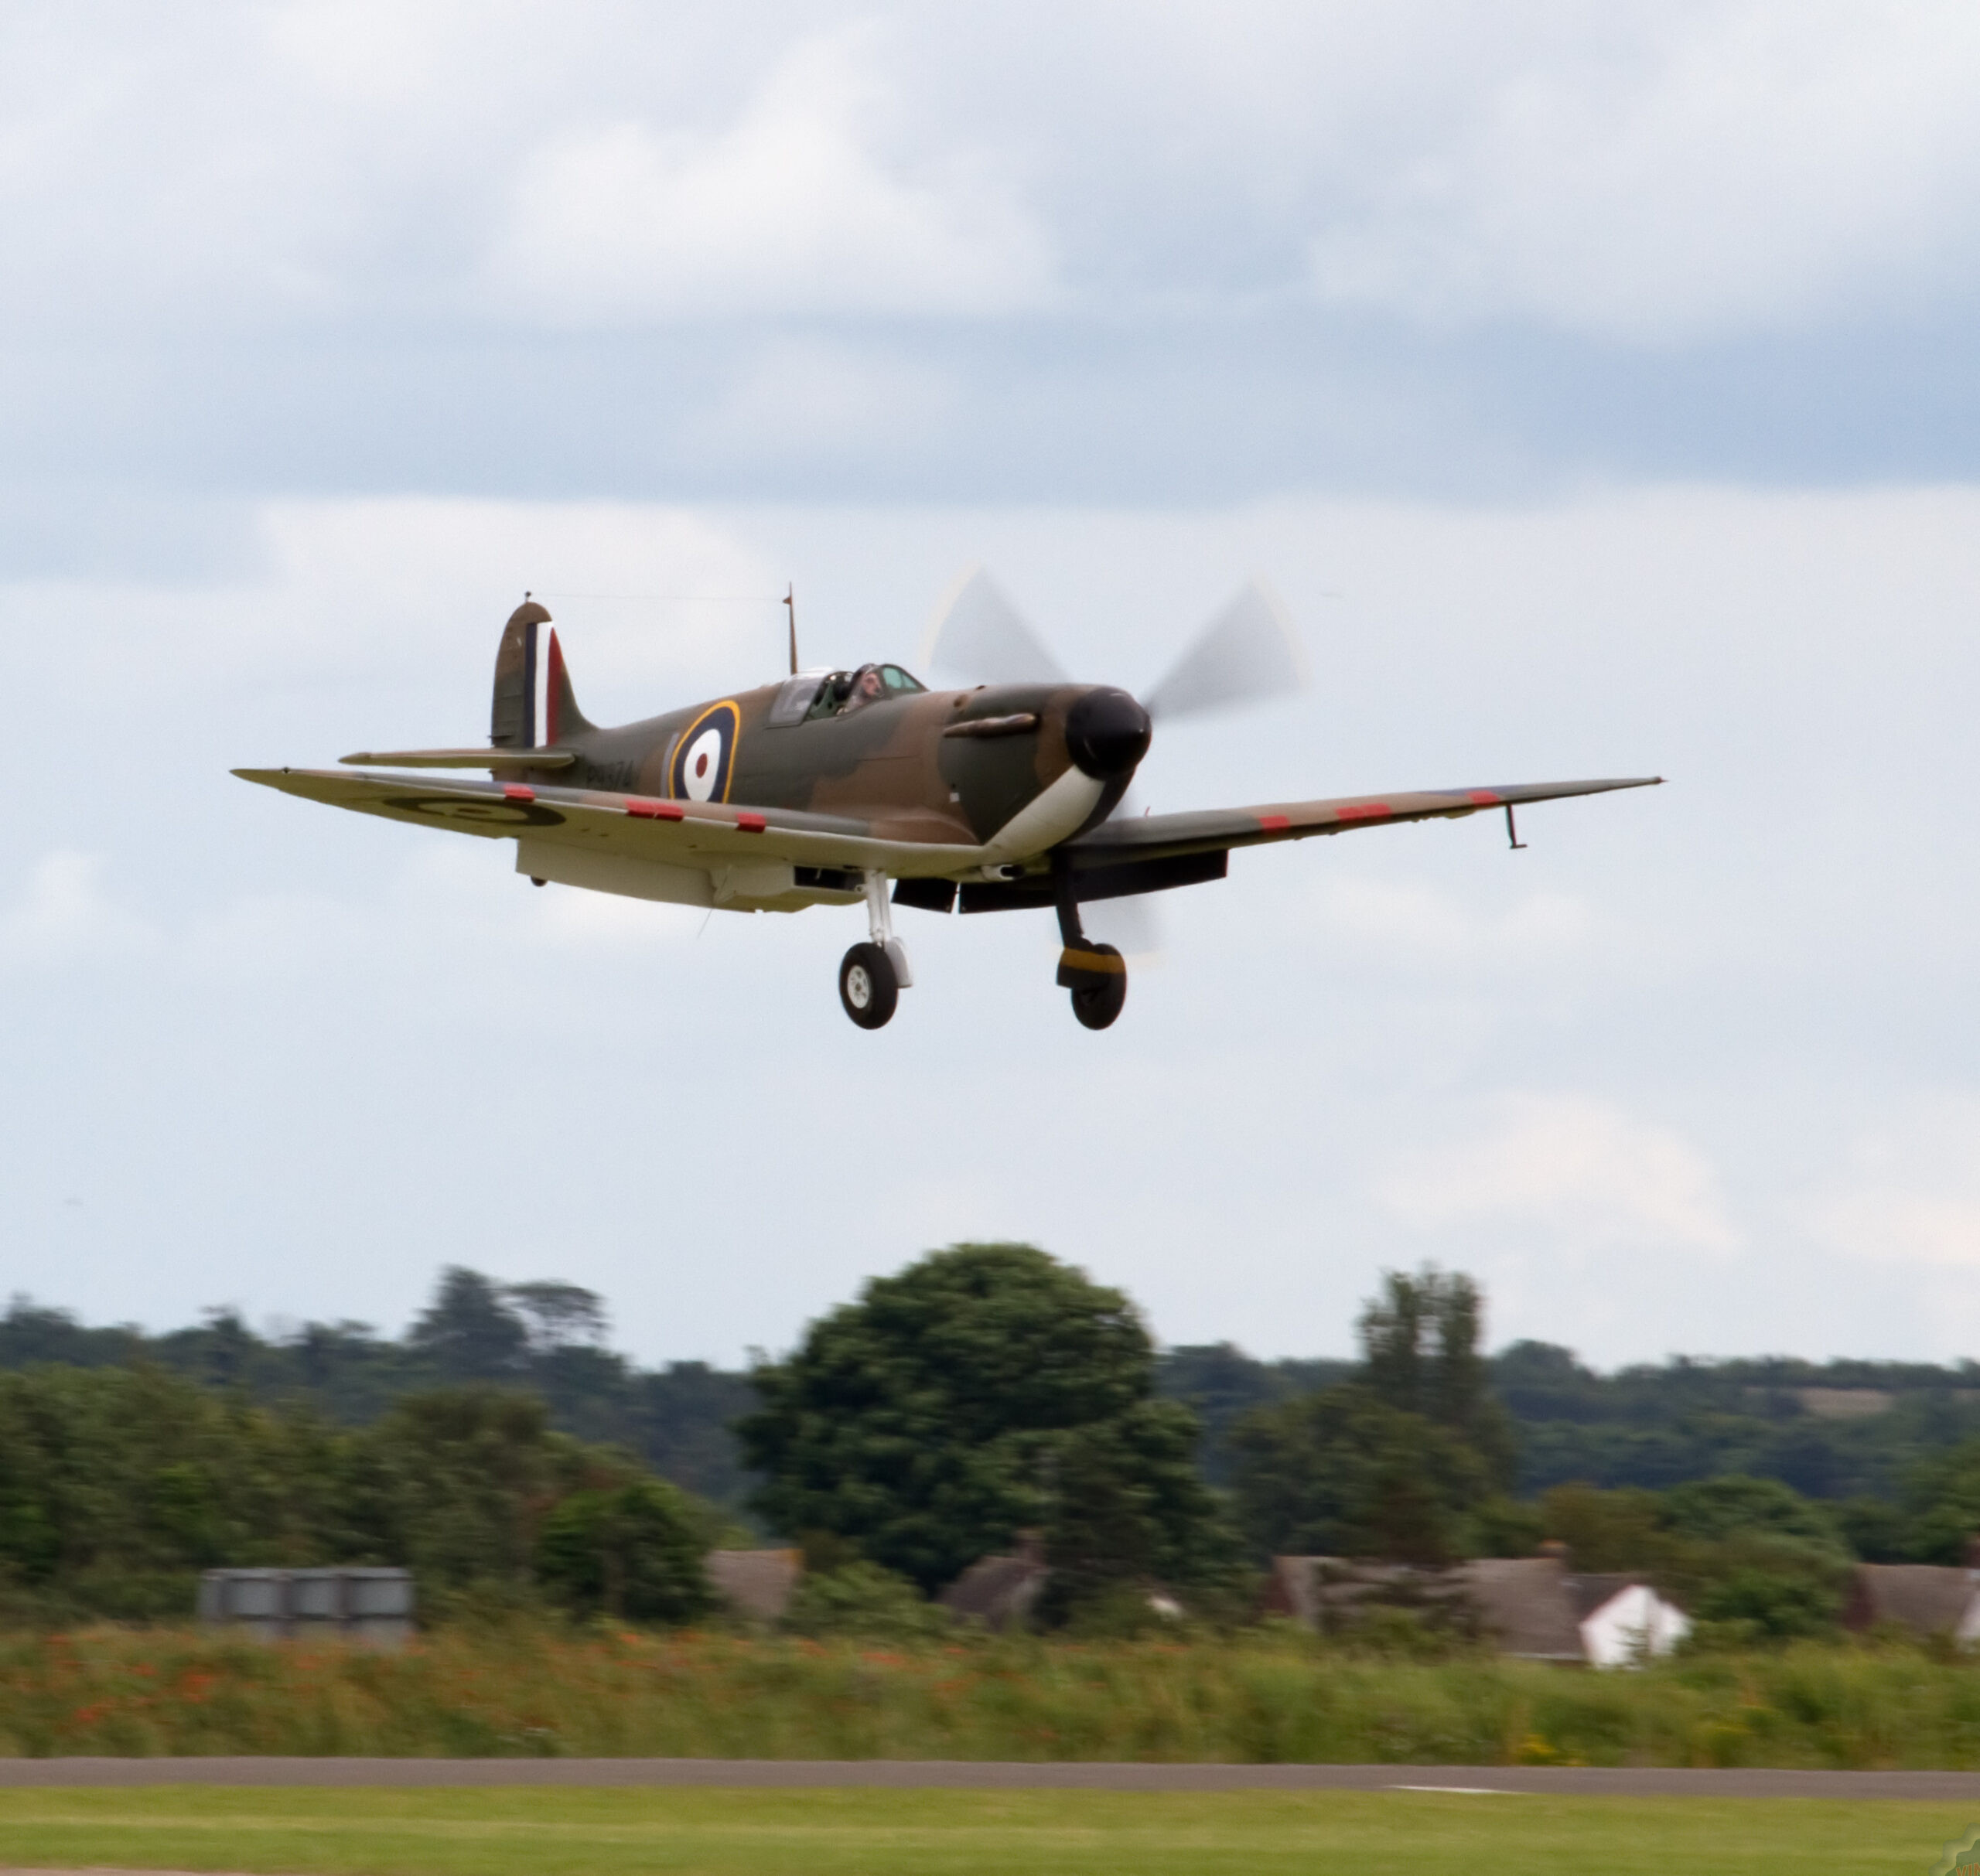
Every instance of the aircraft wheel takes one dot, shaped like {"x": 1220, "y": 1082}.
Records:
{"x": 868, "y": 986}
{"x": 1097, "y": 1000}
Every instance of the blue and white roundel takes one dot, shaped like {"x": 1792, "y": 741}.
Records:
{"x": 704, "y": 755}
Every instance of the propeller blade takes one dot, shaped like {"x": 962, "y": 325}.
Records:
{"x": 1245, "y": 655}
{"x": 978, "y": 633}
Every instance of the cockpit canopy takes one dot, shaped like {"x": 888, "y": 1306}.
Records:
{"x": 813, "y": 694}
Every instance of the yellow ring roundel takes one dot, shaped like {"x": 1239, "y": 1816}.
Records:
{"x": 704, "y": 755}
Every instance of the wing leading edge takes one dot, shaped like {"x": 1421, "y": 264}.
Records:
{"x": 1158, "y": 837}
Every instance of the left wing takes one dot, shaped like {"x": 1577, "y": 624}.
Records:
{"x": 1156, "y": 837}
{"x": 692, "y": 833}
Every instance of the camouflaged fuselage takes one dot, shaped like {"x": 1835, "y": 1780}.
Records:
{"x": 890, "y": 762}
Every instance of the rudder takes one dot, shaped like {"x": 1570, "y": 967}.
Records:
{"x": 534, "y": 706}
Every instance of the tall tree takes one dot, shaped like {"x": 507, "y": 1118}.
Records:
{"x": 1420, "y": 1355}
{"x": 467, "y": 1333}
{"x": 1397, "y": 1462}
{"x": 560, "y": 1315}
{"x": 986, "y": 1389}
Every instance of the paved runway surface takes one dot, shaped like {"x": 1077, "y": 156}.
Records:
{"x": 1555, "y": 1781}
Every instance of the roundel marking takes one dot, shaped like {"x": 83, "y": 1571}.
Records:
{"x": 505, "y": 813}
{"x": 704, "y": 757}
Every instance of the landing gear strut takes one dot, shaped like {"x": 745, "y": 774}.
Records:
{"x": 871, "y": 976}
{"x": 1096, "y": 974}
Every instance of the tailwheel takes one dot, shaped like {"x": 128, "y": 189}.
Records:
{"x": 1096, "y": 974}
{"x": 869, "y": 987}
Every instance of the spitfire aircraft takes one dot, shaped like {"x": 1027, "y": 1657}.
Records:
{"x": 830, "y": 787}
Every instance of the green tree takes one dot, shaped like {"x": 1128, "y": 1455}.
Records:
{"x": 860, "y": 1601}
{"x": 1606, "y": 1530}
{"x": 1408, "y": 1461}
{"x": 1750, "y": 1604}
{"x": 1942, "y": 1499}
{"x": 984, "y": 1389}
{"x": 1343, "y": 1473}
{"x": 1420, "y": 1355}
{"x": 467, "y": 1333}
{"x": 1715, "y": 1509}
{"x": 635, "y": 1552}
{"x": 456, "y": 1483}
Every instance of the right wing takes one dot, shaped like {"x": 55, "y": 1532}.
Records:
{"x": 1158, "y": 837}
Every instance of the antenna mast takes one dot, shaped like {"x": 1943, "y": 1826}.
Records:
{"x": 790, "y": 603}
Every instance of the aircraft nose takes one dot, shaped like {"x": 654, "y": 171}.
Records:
{"x": 1107, "y": 734}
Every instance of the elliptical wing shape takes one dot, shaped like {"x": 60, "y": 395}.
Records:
{"x": 693, "y": 834}
{"x": 1157, "y": 836}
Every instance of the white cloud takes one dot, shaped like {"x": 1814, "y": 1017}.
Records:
{"x": 628, "y": 583}
{"x": 1669, "y": 174}
{"x": 790, "y": 209}
{"x": 1574, "y": 1165}
{"x": 1913, "y": 1194}
{"x": 1651, "y": 172}
{"x": 801, "y": 398}
{"x": 63, "y": 915}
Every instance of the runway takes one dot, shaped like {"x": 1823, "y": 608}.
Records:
{"x": 960, "y": 1775}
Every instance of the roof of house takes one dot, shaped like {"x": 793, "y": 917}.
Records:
{"x": 996, "y": 1590}
{"x": 1532, "y": 1606}
{"x": 755, "y": 1583}
{"x": 1525, "y": 1604}
{"x": 1588, "y": 1591}
{"x": 1926, "y": 1597}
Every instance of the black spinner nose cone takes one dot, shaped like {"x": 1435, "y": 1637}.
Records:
{"x": 1107, "y": 734}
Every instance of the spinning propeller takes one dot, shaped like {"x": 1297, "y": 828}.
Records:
{"x": 1244, "y": 654}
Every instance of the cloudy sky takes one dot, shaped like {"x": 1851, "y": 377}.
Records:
{"x": 1598, "y": 385}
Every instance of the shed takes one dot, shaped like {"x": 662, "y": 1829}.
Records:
{"x": 757, "y": 1585}
{"x": 355, "y": 1604}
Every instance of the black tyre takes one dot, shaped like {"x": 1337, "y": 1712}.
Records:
{"x": 1100, "y": 997}
{"x": 868, "y": 986}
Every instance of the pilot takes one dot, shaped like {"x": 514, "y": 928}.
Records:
{"x": 866, "y": 687}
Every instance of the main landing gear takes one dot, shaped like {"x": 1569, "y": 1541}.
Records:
{"x": 871, "y": 976}
{"x": 1096, "y": 974}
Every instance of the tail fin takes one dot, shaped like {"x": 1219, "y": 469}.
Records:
{"x": 533, "y": 704}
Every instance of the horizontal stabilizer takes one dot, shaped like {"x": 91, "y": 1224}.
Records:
{"x": 461, "y": 759}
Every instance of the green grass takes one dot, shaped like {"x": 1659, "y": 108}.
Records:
{"x": 1257, "y": 1697}
{"x": 590, "y": 1833}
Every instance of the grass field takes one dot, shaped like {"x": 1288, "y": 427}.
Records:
{"x": 538, "y": 1833}
{"x": 1257, "y": 1697}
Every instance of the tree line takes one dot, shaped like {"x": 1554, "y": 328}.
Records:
{"x": 1838, "y": 1430}
{"x": 987, "y": 1391}
{"x": 547, "y": 1337}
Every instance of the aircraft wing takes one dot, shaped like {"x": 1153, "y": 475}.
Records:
{"x": 692, "y": 833}
{"x": 1157, "y": 837}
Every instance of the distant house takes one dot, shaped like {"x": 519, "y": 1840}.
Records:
{"x": 1000, "y": 1592}
{"x": 1533, "y": 1608}
{"x": 1926, "y": 1599}
{"x": 756, "y": 1585}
